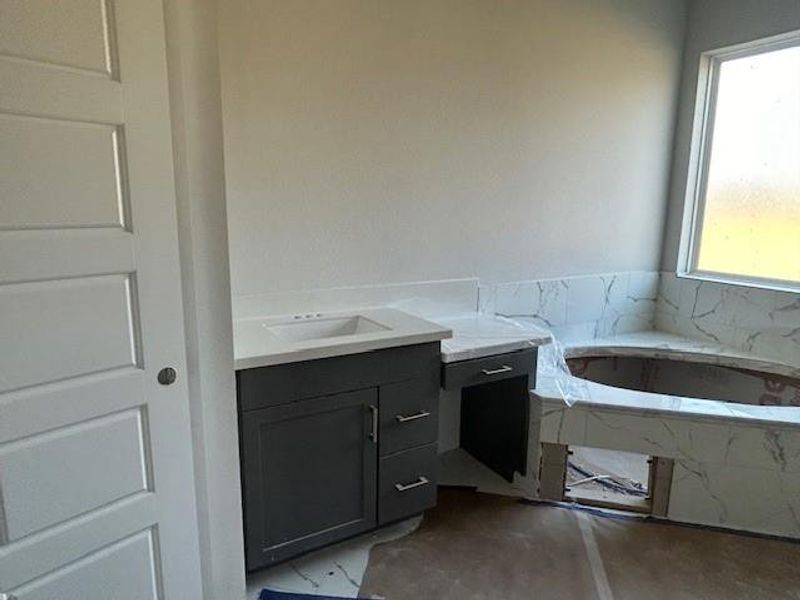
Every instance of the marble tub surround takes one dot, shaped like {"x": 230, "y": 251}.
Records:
{"x": 734, "y": 474}
{"x": 760, "y": 321}
{"x": 736, "y": 465}
{"x": 660, "y": 344}
{"x": 586, "y": 306}
{"x": 552, "y": 382}
{"x": 478, "y": 335}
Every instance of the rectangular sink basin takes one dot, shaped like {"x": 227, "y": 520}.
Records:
{"x": 320, "y": 329}
{"x": 282, "y": 339}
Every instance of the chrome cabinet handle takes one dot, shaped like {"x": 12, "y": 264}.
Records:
{"x": 420, "y": 415}
{"x": 410, "y": 486}
{"x": 503, "y": 369}
{"x": 373, "y": 434}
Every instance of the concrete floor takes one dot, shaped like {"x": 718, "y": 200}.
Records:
{"x": 482, "y": 542}
{"x": 476, "y": 546}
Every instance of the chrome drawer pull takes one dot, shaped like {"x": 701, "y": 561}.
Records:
{"x": 503, "y": 369}
{"x": 373, "y": 434}
{"x": 418, "y": 483}
{"x": 405, "y": 419}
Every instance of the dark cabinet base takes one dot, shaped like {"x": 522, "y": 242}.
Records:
{"x": 495, "y": 407}
{"x": 336, "y": 447}
{"x": 407, "y": 483}
{"x": 494, "y": 425}
{"x": 304, "y": 487}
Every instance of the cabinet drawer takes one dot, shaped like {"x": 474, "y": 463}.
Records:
{"x": 407, "y": 483}
{"x": 467, "y": 373}
{"x": 408, "y": 414}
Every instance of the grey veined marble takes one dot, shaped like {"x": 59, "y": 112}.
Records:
{"x": 736, "y": 465}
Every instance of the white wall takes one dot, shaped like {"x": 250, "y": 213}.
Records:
{"x": 714, "y": 24}
{"x": 374, "y": 141}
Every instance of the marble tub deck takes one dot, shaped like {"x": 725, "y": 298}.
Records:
{"x": 736, "y": 466}
{"x": 554, "y": 384}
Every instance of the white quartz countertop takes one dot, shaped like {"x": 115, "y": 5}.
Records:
{"x": 554, "y": 385}
{"x": 477, "y": 335}
{"x": 265, "y": 341}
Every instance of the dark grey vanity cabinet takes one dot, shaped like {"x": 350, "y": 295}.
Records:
{"x": 310, "y": 470}
{"x": 335, "y": 447}
{"x": 495, "y": 407}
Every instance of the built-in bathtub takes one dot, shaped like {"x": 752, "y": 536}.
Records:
{"x": 727, "y": 420}
{"x": 688, "y": 378}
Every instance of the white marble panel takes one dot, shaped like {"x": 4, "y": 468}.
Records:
{"x": 585, "y": 299}
{"x": 786, "y": 311}
{"x": 542, "y": 302}
{"x": 669, "y": 294}
{"x": 656, "y": 436}
{"x": 622, "y": 324}
{"x": 758, "y": 320}
{"x": 333, "y": 571}
{"x": 759, "y": 500}
{"x": 642, "y": 292}
{"x": 563, "y": 425}
{"x": 581, "y": 306}
{"x": 764, "y": 447}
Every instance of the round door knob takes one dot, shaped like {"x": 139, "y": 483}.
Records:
{"x": 167, "y": 376}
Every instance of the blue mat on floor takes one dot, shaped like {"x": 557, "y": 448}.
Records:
{"x": 273, "y": 595}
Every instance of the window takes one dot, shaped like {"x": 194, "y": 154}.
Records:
{"x": 744, "y": 218}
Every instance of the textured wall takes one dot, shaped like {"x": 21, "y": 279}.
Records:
{"x": 375, "y": 141}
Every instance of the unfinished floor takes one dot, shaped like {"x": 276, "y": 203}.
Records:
{"x": 477, "y": 545}
{"x": 482, "y": 546}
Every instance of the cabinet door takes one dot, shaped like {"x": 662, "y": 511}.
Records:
{"x": 309, "y": 474}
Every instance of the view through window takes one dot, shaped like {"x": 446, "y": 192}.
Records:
{"x": 750, "y": 215}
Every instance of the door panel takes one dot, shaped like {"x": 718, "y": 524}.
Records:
{"x": 28, "y": 90}
{"x": 96, "y": 484}
{"x": 126, "y": 570}
{"x": 67, "y": 328}
{"x": 57, "y": 475}
{"x": 60, "y": 174}
{"x": 62, "y": 32}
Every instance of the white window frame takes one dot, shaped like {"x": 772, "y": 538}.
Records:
{"x": 700, "y": 159}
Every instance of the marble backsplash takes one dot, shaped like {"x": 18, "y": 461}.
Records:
{"x": 764, "y": 322}
{"x": 580, "y": 307}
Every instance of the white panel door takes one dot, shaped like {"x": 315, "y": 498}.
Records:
{"x": 96, "y": 484}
